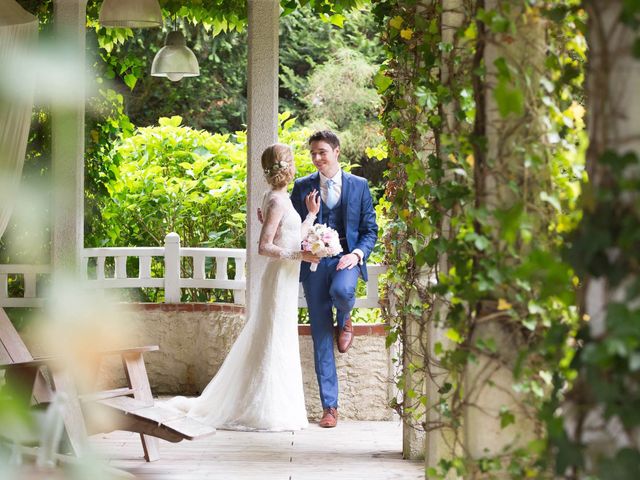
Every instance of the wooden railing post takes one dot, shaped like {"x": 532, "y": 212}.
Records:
{"x": 172, "y": 268}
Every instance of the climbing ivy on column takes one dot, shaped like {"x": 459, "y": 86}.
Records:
{"x": 484, "y": 171}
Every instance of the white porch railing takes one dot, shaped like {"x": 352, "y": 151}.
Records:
{"x": 28, "y": 276}
{"x": 97, "y": 263}
{"x": 171, "y": 255}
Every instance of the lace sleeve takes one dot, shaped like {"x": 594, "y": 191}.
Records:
{"x": 307, "y": 224}
{"x": 287, "y": 254}
{"x": 274, "y": 212}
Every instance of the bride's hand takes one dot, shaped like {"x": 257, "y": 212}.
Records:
{"x": 310, "y": 257}
{"x": 312, "y": 200}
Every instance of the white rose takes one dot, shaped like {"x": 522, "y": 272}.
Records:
{"x": 317, "y": 248}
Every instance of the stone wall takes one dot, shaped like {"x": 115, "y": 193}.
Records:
{"x": 194, "y": 339}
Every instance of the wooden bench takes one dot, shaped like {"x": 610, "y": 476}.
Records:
{"x": 130, "y": 408}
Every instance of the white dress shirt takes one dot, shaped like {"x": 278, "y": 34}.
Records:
{"x": 337, "y": 185}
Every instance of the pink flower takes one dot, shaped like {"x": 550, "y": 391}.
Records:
{"x": 322, "y": 241}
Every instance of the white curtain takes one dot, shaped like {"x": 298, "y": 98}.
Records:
{"x": 18, "y": 31}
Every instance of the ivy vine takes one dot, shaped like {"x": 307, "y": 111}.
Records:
{"x": 600, "y": 437}
{"x": 484, "y": 172}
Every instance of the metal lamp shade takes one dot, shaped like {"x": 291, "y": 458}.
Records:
{"x": 130, "y": 13}
{"x": 13, "y": 14}
{"x": 175, "y": 60}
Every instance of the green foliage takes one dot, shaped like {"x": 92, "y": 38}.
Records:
{"x": 608, "y": 362}
{"x": 307, "y": 42}
{"x": 215, "y": 100}
{"x": 329, "y": 10}
{"x": 604, "y": 369}
{"x": 509, "y": 99}
{"x": 353, "y": 108}
{"x": 311, "y": 48}
{"x": 172, "y": 178}
{"x": 491, "y": 254}
{"x": 14, "y": 415}
{"x": 320, "y": 43}
{"x": 106, "y": 123}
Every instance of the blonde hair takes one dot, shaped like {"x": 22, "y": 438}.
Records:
{"x": 277, "y": 160}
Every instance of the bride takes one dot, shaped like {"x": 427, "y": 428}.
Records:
{"x": 259, "y": 385}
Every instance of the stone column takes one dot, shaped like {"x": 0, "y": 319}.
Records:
{"x": 67, "y": 137}
{"x": 413, "y": 354}
{"x": 442, "y": 442}
{"x": 489, "y": 378}
{"x": 262, "y": 106}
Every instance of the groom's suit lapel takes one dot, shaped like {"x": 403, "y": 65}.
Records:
{"x": 344, "y": 200}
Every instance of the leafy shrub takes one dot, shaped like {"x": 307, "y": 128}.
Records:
{"x": 172, "y": 178}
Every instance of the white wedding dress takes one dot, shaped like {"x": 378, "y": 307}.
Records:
{"x": 259, "y": 385}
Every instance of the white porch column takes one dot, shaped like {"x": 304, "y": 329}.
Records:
{"x": 262, "y": 105}
{"x": 67, "y": 149}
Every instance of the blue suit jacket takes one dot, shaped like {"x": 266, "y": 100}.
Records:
{"x": 357, "y": 211}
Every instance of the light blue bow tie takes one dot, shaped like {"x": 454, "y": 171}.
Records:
{"x": 332, "y": 194}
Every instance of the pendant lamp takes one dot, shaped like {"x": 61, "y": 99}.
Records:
{"x": 175, "y": 60}
{"x": 11, "y": 14}
{"x": 130, "y": 13}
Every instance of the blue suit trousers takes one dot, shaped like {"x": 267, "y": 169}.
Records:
{"x": 324, "y": 289}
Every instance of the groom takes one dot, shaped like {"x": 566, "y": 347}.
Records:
{"x": 346, "y": 206}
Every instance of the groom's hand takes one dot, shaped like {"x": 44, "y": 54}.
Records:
{"x": 348, "y": 261}
{"x": 312, "y": 201}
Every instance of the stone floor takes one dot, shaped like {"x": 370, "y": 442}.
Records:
{"x": 351, "y": 451}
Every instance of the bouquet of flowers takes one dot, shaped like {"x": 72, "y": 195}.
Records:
{"x": 322, "y": 241}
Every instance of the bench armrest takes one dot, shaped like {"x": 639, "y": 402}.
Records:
{"x": 40, "y": 361}
{"x": 129, "y": 351}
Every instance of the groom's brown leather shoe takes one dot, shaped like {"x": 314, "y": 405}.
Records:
{"x": 329, "y": 418}
{"x": 345, "y": 336}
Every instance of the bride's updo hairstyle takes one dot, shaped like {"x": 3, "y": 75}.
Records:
{"x": 277, "y": 163}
